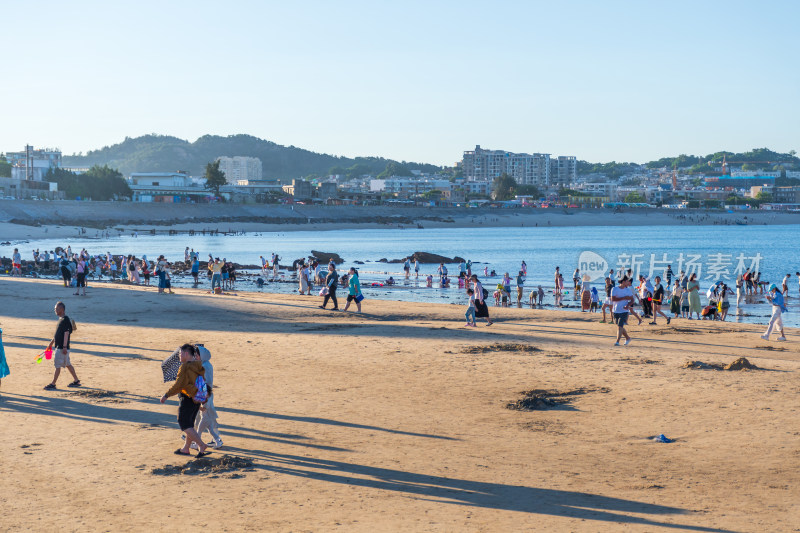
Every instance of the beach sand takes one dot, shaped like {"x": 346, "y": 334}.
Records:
{"x": 392, "y": 420}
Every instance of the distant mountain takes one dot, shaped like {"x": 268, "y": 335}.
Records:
{"x": 162, "y": 153}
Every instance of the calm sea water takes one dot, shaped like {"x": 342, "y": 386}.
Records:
{"x": 715, "y": 252}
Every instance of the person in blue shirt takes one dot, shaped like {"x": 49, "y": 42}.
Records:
{"x": 778, "y": 308}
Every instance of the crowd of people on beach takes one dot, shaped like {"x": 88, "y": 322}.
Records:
{"x": 625, "y": 295}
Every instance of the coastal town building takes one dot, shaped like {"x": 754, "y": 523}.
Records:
{"x": 21, "y": 189}
{"x": 299, "y": 189}
{"x": 407, "y": 187}
{"x": 240, "y": 168}
{"x": 563, "y": 170}
{"x": 167, "y": 187}
{"x": 537, "y": 169}
{"x": 33, "y": 164}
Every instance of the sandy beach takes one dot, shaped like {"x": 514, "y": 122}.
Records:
{"x": 393, "y": 420}
{"x": 27, "y": 219}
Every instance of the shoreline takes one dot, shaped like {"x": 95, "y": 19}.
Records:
{"x": 397, "y": 418}
{"x": 38, "y": 220}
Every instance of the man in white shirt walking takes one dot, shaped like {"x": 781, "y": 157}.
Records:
{"x": 621, "y": 299}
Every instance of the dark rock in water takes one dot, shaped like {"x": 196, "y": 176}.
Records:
{"x": 383, "y": 260}
{"x": 325, "y": 257}
{"x": 358, "y": 262}
{"x": 426, "y": 257}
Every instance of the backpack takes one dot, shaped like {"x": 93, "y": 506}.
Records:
{"x": 201, "y": 396}
{"x": 485, "y": 294}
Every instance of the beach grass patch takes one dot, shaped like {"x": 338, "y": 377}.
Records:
{"x": 740, "y": 364}
{"x": 100, "y": 395}
{"x": 205, "y": 465}
{"x": 500, "y": 347}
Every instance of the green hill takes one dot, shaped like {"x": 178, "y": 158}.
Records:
{"x": 162, "y": 153}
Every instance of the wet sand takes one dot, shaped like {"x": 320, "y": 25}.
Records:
{"x": 26, "y": 219}
{"x": 396, "y": 419}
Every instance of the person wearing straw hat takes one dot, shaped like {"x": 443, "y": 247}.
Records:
{"x": 775, "y": 297}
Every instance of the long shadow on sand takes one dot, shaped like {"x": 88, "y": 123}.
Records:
{"x": 50, "y": 405}
{"x": 452, "y": 491}
{"x": 305, "y": 419}
{"x": 105, "y": 414}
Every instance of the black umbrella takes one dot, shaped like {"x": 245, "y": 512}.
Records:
{"x": 171, "y": 365}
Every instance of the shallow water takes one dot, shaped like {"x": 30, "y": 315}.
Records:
{"x": 719, "y": 252}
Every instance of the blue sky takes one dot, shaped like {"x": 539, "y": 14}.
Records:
{"x": 416, "y": 81}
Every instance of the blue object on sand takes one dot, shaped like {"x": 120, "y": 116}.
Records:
{"x": 663, "y": 438}
{"x": 4, "y": 371}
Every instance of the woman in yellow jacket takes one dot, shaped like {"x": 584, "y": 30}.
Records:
{"x": 185, "y": 388}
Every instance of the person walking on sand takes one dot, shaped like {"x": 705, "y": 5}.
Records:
{"x": 775, "y": 297}
{"x": 331, "y": 283}
{"x": 186, "y": 389}
{"x": 658, "y": 298}
{"x": 693, "y": 288}
{"x": 354, "y": 290}
{"x": 208, "y": 413}
{"x": 470, "y": 314}
{"x": 60, "y": 342}
{"x": 481, "y": 309}
{"x": 80, "y": 272}
{"x": 724, "y": 304}
{"x": 622, "y": 299}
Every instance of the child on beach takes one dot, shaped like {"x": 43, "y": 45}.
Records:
{"x": 429, "y": 281}
{"x": 684, "y": 303}
{"x": 595, "y": 300}
{"x": 470, "y": 314}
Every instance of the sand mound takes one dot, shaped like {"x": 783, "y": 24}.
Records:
{"x": 498, "y": 347}
{"x": 740, "y": 364}
{"x": 540, "y": 399}
{"x": 205, "y": 465}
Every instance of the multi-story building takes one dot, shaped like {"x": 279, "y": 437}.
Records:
{"x": 240, "y": 168}
{"x": 32, "y": 164}
{"x": 563, "y": 170}
{"x": 407, "y": 187}
{"x": 527, "y": 169}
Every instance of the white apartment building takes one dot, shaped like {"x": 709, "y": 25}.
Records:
{"x": 240, "y": 168}
{"x": 527, "y": 169}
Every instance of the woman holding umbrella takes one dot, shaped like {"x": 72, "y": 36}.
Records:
{"x": 186, "y": 389}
